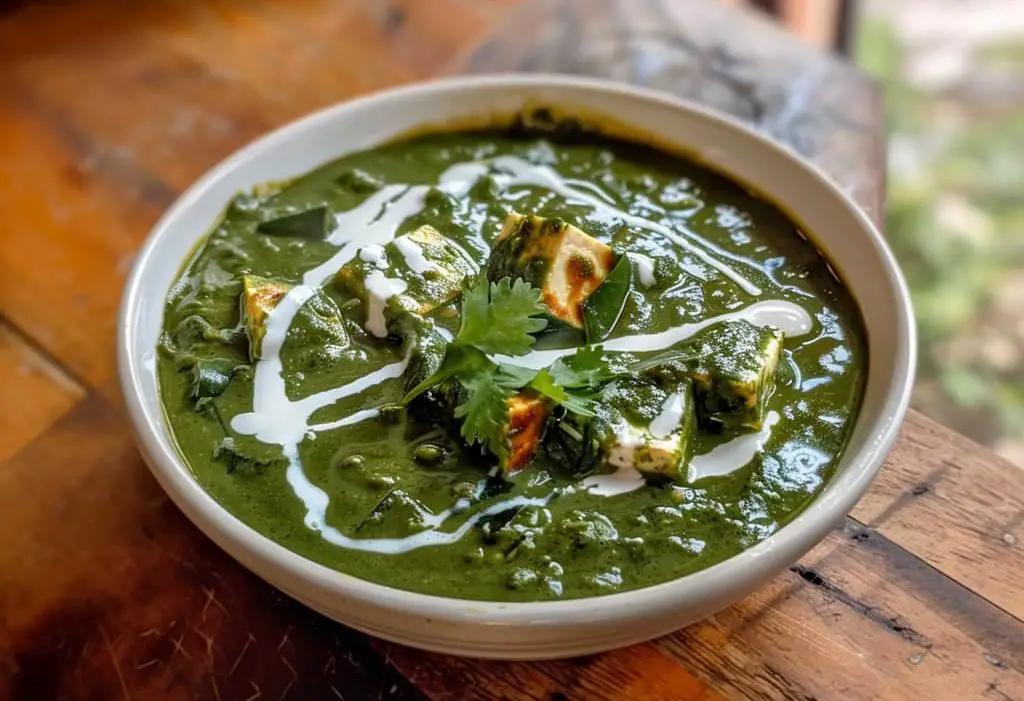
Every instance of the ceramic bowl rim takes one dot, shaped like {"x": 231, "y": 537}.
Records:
{"x": 803, "y": 532}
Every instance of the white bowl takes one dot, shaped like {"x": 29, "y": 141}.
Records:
{"x": 542, "y": 629}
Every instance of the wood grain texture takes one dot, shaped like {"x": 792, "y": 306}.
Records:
{"x": 33, "y": 391}
{"x": 137, "y": 594}
{"x": 955, "y": 505}
{"x": 107, "y": 592}
{"x": 857, "y": 618}
{"x": 68, "y": 240}
{"x": 638, "y": 672}
{"x": 108, "y": 110}
{"x": 737, "y": 62}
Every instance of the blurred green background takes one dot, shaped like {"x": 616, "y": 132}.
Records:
{"x": 954, "y": 79}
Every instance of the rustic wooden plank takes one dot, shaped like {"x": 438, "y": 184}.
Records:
{"x": 738, "y": 62}
{"x": 73, "y": 216}
{"x": 106, "y": 591}
{"x": 858, "y": 618}
{"x": 638, "y": 672}
{"x": 199, "y": 80}
{"x": 957, "y": 506}
{"x": 881, "y": 622}
{"x": 174, "y": 117}
{"x": 33, "y": 391}
{"x": 84, "y": 176}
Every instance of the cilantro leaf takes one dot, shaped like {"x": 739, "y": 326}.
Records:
{"x": 578, "y": 401}
{"x": 500, "y": 318}
{"x": 458, "y": 360}
{"x": 514, "y": 376}
{"x": 497, "y": 318}
{"x": 514, "y": 308}
{"x": 484, "y": 413}
{"x": 587, "y": 367}
{"x": 544, "y": 383}
{"x": 476, "y": 311}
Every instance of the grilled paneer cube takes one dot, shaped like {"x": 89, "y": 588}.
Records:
{"x": 422, "y": 269}
{"x": 650, "y": 428}
{"x": 526, "y": 417}
{"x": 563, "y": 261}
{"x": 734, "y": 372}
{"x": 317, "y": 328}
{"x": 259, "y": 296}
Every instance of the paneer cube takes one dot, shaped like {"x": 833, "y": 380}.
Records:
{"x": 564, "y": 262}
{"x": 634, "y": 447}
{"x": 422, "y": 269}
{"x": 734, "y": 373}
{"x": 527, "y": 415}
{"x": 654, "y": 431}
{"x": 259, "y": 296}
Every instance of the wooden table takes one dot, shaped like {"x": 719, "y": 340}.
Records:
{"x": 109, "y": 109}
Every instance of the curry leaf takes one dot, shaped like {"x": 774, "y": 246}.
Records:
{"x": 602, "y": 309}
{"x": 210, "y": 377}
{"x": 314, "y": 223}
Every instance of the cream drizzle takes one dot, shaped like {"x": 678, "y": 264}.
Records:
{"x": 372, "y": 222}
{"x": 316, "y": 501}
{"x": 379, "y": 289}
{"x": 671, "y": 416}
{"x": 789, "y": 318}
{"x": 374, "y": 254}
{"x": 625, "y": 479}
{"x": 644, "y": 269}
{"x": 413, "y": 255}
{"x": 520, "y": 172}
{"x": 361, "y": 415}
{"x": 720, "y": 461}
{"x": 363, "y": 230}
{"x": 728, "y": 457}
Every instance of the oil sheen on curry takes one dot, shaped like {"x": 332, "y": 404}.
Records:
{"x": 515, "y": 364}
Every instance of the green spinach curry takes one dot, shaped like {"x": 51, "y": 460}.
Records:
{"x": 511, "y": 364}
